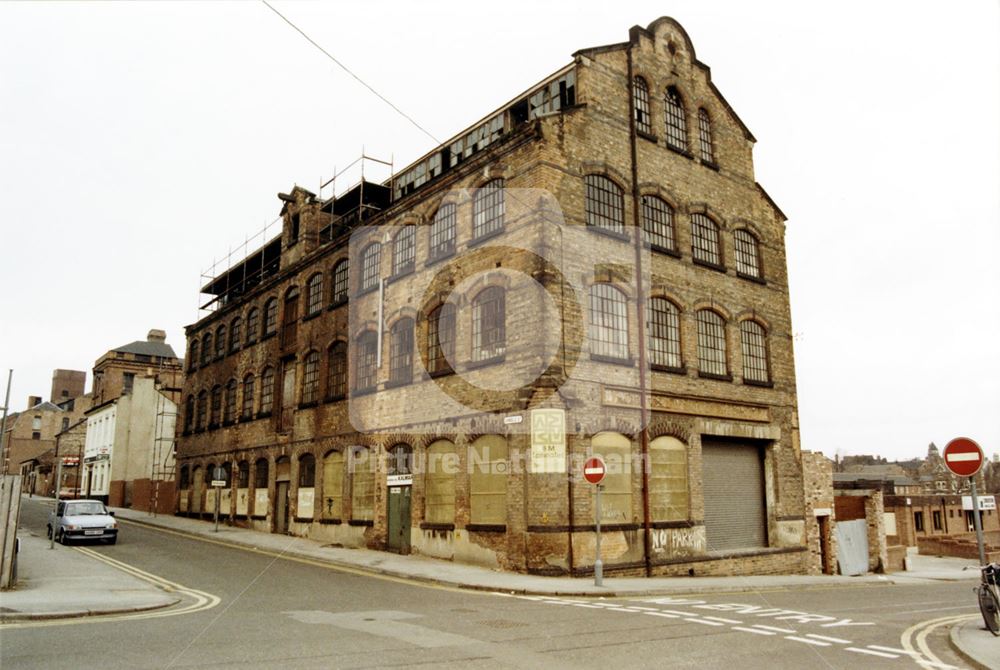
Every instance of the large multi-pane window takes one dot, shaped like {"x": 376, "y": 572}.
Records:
{"x": 705, "y": 240}
{"x": 220, "y": 342}
{"x": 442, "y": 242}
{"x": 712, "y": 344}
{"x": 189, "y": 414}
{"x": 290, "y": 318}
{"x": 753, "y": 339}
{"x": 333, "y": 485}
{"x": 488, "y": 209}
{"x": 216, "y": 408}
{"x": 201, "y": 410}
{"x": 260, "y": 477}
{"x": 267, "y": 390}
{"x": 248, "y": 384}
{"x": 747, "y": 254}
{"x": 336, "y": 371}
{"x": 404, "y": 250}
{"x": 253, "y": 323}
{"x": 441, "y": 338}
{"x": 307, "y": 471}
{"x": 206, "y": 349}
{"x": 362, "y": 484}
{"x": 193, "y": 355}
{"x": 608, "y": 322}
{"x": 370, "y": 259}
{"x": 664, "y": 333}
{"x": 676, "y": 120}
{"x": 439, "y": 485}
{"x": 658, "y": 223}
{"x": 314, "y": 294}
{"x": 668, "y": 480}
{"x": 705, "y": 137}
{"x": 605, "y": 204}
{"x": 235, "y": 337}
{"x": 488, "y": 481}
{"x": 310, "y": 378}
{"x": 640, "y": 100}
{"x": 271, "y": 316}
{"x": 229, "y": 407}
{"x": 489, "y": 328}
{"x": 340, "y": 281}
{"x": 401, "y": 352}
{"x": 366, "y": 363}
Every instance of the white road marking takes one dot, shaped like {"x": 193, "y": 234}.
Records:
{"x": 775, "y": 629}
{"x": 648, "y": 609}
{"x": 677, "y": 612}
{"x": 662, "y": 614}
{"x": 593, "y": 607}
{"x": 807, "y": 640}
{"x": 828, "y": 639}
{"x": 719, "y": 618}
{"x": 753, "y": 630}
{"x": 891, "y": 649}
{"x": 702, "y": 621}
{"x": 872, "y": 653}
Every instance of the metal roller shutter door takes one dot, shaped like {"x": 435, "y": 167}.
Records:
{"x": 733, "y": 485}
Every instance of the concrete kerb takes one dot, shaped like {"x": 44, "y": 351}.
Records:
{"x": 20, "y": 617}
{"x": 976, "y": 645}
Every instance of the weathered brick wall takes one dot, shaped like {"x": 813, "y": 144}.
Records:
{"x": 817, "y": 472}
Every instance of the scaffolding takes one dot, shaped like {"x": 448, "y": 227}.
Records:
{"x": 163, "y": 462}
{"x": 248, "y": 256}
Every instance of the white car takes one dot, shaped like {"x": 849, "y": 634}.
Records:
{"x": 82, "y": 520}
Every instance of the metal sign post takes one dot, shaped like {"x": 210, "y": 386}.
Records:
{"x": 52, "y": 537}
{"x": 976, "y": 522}
{"x": 598, "y": 563}
{"x": 964, "y": 457}
{"x": 594, "y": 471}
{"x": 218, "y": 481}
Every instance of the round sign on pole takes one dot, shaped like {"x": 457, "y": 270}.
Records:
{"x": 594, "y": 470}
{"x": 963, "y": 457}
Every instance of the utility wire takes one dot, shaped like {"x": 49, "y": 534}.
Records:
{"x": 348, "y": 71}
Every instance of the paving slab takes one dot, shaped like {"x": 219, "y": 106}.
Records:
{"x": 978, "y": 645}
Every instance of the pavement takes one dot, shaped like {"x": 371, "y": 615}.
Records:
{"x": 62, "y": 583}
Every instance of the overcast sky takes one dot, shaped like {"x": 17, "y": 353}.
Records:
{"x": 138, "y": 142}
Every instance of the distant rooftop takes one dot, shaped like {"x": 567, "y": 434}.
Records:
{"x": 154, "y": 345}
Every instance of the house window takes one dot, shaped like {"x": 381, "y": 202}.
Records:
{"x": 189, "y": 414}
{"x": 747, "y": 254}
{"x": 270, "y": 316}
{"x": 754, "y": 346}
{"x": 608, "y": 322}
{"x": 441, "y": 338}
{"x": 242, "y": 475}
{"x": 307, "y": 471}
{"x": 705, "y": 240}
{"x": 336, "y": 380}
{"x": 340, "y": 281}
{"x": 220, "y": 342}
{"x": 403, "y": 251}
{"x": 202, "y": 411}
{"x": 248, "y": 384}
{"x": 442, "y": 240}
{"x": 36, "y": 435}
{"x": 676, "y": 120}
{"x": 488, "y": 209}
{"x": 216, "y": 410}
{"x": 400, "y": 460}
{"x": 314, "y": 294}
{"x": 260, "y": 478}
{"x": 370, "y": 259}
{"x": 918, "y": 521}
{"x": 193, "y": 355}
{"x": 658, "y": 223}
{"x": 489, "y": 336}
{"x": 65, "y": 424}
{"x": 663, "y": 324}
{"x": 267, "y": 391}
{"x": 936, "y": 519}
{"x": 234, "y": 334}
{"x": 128, "y": 381}
{"x": 488, "y": 481}
{"x": 605, "y": 204}
{"x": 366, "y": 361}
{"x": 705, "y": 137}
{"x": 229, "y": 411}
{"x": 711, "y": 344}
{"x": 253, "y": 323}
{"x": 310, "y": 378}
{"x": 640, "y": 100}
{"x": 401, "y": 352}
{"x": 206, "y": 349}
{"x": 290, "y": 318}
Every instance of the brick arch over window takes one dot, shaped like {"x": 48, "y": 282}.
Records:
{"x": 193, "y": 355}
{"x": 401, "y": 337}
{"x": 488, "y": 209}
{"x": 755, "y": 352}
{"x": 746, "y": 246}
{"x": 235, "y": 334}
{"x": 310, "y": 377}
{"x": 371, "y": 260}
{"x": 658, "y": 223}
{"x": 706, "y": 240}
{"x": 442, "y": 232}
{"x": 253, "y": 325}
{"x": 206, "y": 348}
{"x": 713, "y": 357}
{"x": 604, "y": 203}
{"x": 270, "y": 316}
{"x": 663, "y": 318}
{"x": 341, "y": 282}
{"x": 676, "y": 119}
{"x": 608, "y": 322}
{"x": 336, "y": 371}
{"x": 314, "y": 294}
{"x": 220, "y": 341}
{"x": 640, "y": 104}
{"x": 669, "y": 498}
{"x": 706, "y": 144}
{"x": 365, "y": 369}
{"x": 404, "y": 246}
{"x": 489, "y": 324}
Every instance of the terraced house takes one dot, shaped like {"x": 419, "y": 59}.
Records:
{"x": 422, "y": 364}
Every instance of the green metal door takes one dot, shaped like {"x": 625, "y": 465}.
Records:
{"x": 399, "y": 519}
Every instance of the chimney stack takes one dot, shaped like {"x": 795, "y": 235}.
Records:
{"x": 156, "y": 335}
{"x": 34, "y": 400}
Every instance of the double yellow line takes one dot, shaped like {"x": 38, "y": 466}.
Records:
{"x": 920, "y": 650}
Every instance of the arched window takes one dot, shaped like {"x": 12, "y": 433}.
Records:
{"x": 333, "y": 485}
{"x": 488, "y": 209}
{"x": 663, "y": 324}
{"x": 439, "y": 500}
{"x": 243, "y": 475}
{"x": 753, "y": 339}
{"x": 248, "y": 384}
{"x": 401, "y": 352}
{"x": 712, "y": 358}
{"x": 307, "y": 471}
{"x": 310, "y": 378}
{"x": 404, "y": 250}
{"x": 668, "y": 480}
{"x": 747, "y": 254}
{"x": 206, "y": 349}
{"x": 488, "y": 481}
{"x": 253, "y": 323}
{"x": 605, "y": 204}
{"x": 216, "y": 408}
{"x": 270, "y": 316}
{"x": 189, "y": 414}
{"x": 227, "y": 473}
{"x": 234, "y": 334}
{"x": 185, "y": 481}
{"x": 442, "y": 242}
{"x": 229, "y": 406}
{"x": 199, "y": 485}
{"x": 608, "y": 322}
{"x": 220, "y": 342}
{"x": 705, "y": 240}
{"x": 676, "y": 118}
{"x": 370, "y": 259}
{"x": 616, "y": 496}
{"x": 705, "y": 137}
{"x": 489, "y": 327}
{"x": 260, "y": 468}
{"x": 336, "y": 371}
{"x": 366, "y": 369}
{"x": 400, "y": 460}
{"x": 193, "y": 355}
{"x": 362, "y": 484}
{"x": 341, "y": 284}
{"x": 640, "y": 100}
{"x": 290, "y": 318}
{"x": 201, "y": 411}
{"x": 658, "y": 223}
{"x": 314, "y": 294}
{"x": 441, "y": 339}
{"x": 267, "y": 390}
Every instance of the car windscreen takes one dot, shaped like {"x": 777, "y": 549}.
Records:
{"x": 85, "y": 508}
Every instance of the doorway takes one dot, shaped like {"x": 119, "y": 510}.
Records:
{"x": 281, "y": 508}
{"x": 399, "y": 519}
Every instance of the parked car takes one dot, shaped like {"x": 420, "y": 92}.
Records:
{"x": 82, "y": 520}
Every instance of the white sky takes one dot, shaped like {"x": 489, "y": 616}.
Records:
{"x": 140, "y": 141}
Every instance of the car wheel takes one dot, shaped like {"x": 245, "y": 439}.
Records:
{"x": 61, "y": 537}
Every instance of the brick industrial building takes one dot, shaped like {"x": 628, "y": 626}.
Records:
{"x": 391, "y": 328}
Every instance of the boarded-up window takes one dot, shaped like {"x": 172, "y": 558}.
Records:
{"x": 440, "y": 484}
{"x": 362, "y": 485}
{"x": 668, "y": 482}
{"x": 333, "y": 485}
{"x": 488, "y": 488}
{"x": 616, "y": 496}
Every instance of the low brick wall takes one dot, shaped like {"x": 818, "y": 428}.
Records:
{"x": 957, "y": 547}
{"x": 896, "y": 558}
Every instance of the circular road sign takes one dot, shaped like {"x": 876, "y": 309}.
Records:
{"x": 963, "y": 457}
{"x": 594, "y": 470}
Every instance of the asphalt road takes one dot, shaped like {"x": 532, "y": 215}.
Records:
{"x": 286, "y": 613}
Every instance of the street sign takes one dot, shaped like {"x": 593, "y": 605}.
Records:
{"x": 218, "y": 483}
{"x": 963, "y": 457}
{"x": 594, "y": 470}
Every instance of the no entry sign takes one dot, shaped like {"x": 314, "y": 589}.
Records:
{"x": 594, "y": 470}
{"x": 963, "y": 457}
